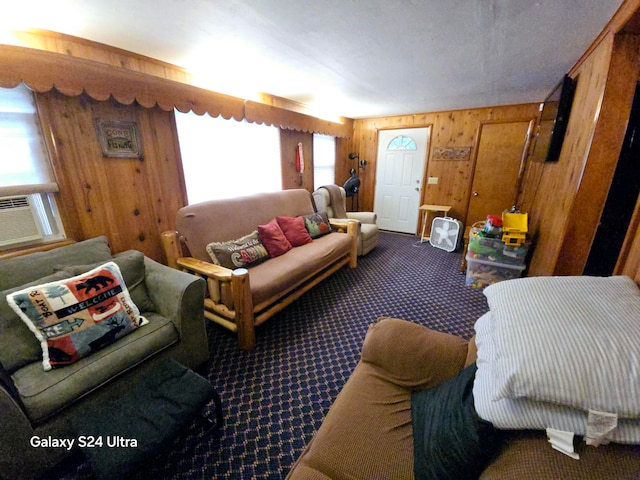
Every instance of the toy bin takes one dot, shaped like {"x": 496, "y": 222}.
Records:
{"x": 495, "y": 250}
{"x": 481, "y": 273}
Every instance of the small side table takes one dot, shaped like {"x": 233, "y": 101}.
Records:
{"x": 444, "y": 209}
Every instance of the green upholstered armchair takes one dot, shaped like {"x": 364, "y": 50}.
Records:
{"x": 40, "y": 404}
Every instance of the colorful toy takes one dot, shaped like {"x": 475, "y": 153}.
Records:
{"x": 493, "y": 226}
{"x": 514, "y": 227}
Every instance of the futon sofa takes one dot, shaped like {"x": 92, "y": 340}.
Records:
{"x": 417, "y": 404}
{"x": 258, "y": 254}
{"x": 41, "y": 396}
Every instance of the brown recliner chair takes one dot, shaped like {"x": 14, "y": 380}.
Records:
{"x": 368, "y": 431}
{"x": 331, "y": 199}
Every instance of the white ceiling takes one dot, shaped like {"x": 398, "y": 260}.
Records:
{"x": 355, "y": 58}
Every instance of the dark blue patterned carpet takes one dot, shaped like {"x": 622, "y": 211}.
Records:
{"x": 275, "y": 397}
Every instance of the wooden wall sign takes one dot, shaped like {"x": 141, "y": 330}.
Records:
{"x": 118, "y": 139}
{"x": 451, "y": 153}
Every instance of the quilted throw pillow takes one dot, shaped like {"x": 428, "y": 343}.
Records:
{"x": 317, "y": 224}
{"x": 77, "y": 316}
{"x": 240, "y": 253}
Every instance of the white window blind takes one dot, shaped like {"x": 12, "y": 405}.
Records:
{"x": 24, "y": 163}
{"x": 28, "y": 212}
{"x": 324, "y": 160}
{"x": 226, "y": 158}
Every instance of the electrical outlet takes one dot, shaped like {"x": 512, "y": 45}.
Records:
{"x": 432, "y": 181}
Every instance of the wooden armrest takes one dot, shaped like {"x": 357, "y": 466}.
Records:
{"x": 19, "y": 251}
{"x": 339, "y": 222}
{"x": 205, "y": 268}
{"x": 352, "y": 228}
{"x": 345, "y": 225}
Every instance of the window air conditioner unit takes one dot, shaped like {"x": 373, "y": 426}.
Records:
{"x": 18, "y": 221}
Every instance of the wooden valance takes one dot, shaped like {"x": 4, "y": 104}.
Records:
{"x": 42, "y": 71}
{"x": 262, "y": 113}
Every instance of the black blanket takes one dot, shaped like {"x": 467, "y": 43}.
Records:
{"x": 450, "y": 440}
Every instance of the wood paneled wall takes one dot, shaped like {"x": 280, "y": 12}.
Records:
{"x": 566, "y": 198}
{"x": 549, "y": 188}
{"x": 604, "y": 152}
{"x": 289, "y": 140}
{"x": 131, "y": 201}
{"x": 460, "y": 128}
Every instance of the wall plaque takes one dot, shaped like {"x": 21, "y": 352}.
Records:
{"x": 451, "y": 153}
{"x": 118, "y": 139}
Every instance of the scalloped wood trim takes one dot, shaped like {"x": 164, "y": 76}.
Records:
{"x": 286, "y": 119}
{"x": 42, "y": 71}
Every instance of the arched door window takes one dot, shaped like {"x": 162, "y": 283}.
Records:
{"x": 402, "y": 143}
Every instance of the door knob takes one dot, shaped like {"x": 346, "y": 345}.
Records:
{"x": 475, "y": 194}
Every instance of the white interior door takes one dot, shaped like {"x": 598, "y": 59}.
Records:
{"x": 400, "y": 168}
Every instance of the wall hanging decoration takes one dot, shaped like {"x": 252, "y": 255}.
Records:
{"x": 300, "y": 161}
{"x": 451, "y": 153}
{"x": 118, "y": 139}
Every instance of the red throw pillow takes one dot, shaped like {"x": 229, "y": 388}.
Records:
{"x": 273, "y": 238}
{"x": 294, "y": 229}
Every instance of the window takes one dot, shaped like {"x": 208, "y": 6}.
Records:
{"x": 324, "y": 160}
{"x": 402, "y": 143}
{"x": 28, "y": 212}
{"x": 226, "y": 158}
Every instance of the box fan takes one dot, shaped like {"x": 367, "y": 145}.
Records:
{"x": 446, "y": 233}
